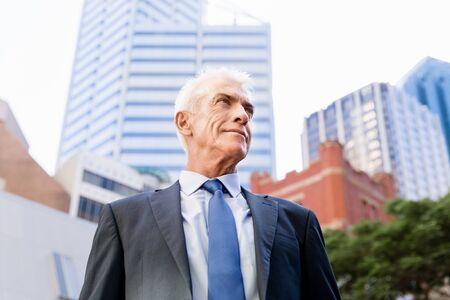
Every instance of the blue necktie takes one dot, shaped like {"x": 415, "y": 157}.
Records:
{"x": 224, "y": 266}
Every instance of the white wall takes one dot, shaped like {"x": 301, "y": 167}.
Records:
{"x": 29, "y": 235}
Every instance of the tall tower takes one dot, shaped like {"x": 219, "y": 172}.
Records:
{"x": 131, "y": 60}
{"x": 429, "y": 82}
{"x": 383, "y": 130}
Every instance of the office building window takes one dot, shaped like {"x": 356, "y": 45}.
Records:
{"x": 89, "y": 209}
{"x": 109, "y": 184}
{"x": 313, "y": 121}
{"x": 422, "y": 94}
{"x": 66, "y": 277}
{"x": 347, "y": 104}
{"x": 443, "y": 107}
{"x": 330, "y": 123}
{"x": 366, "y": 94}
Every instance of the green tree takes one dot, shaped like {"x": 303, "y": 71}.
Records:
{"x": 409, "y": 255}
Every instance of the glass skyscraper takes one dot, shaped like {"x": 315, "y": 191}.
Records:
{"x": 383, "y": 130}
{"x": 429, "y": 82}
{"x": 132, "y": 58}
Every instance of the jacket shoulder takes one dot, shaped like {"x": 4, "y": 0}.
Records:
{"x": 291, "y": 207}
{"x": 299, "y": 218}
{"x": 133, "y": 202}
{"x": 284, "y": 206}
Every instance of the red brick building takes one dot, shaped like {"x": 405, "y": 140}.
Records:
{"x": 338, "y": 194}
{"x": 20, "y": 174}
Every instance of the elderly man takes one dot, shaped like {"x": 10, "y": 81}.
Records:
{"x": 206, "y": 237}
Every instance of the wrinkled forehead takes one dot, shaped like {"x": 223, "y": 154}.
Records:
{"x": 207, "y": 90}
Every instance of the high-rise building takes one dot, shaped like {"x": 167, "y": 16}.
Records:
{"x": 429, "y": 82}
{"x": 132, "y": 58}
{"x": 382, "y": 130}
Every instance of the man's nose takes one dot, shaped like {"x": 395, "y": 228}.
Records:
{"x": 241, "y": 115}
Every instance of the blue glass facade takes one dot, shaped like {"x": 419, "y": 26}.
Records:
{"x": 429, "y": 83}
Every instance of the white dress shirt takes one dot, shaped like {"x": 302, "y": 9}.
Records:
{"x": 194, "y": 209}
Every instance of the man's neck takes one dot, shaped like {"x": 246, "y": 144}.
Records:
{"x": 210, "y": 168}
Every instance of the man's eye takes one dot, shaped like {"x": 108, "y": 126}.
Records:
{"x": 249, "y": 111}
{"x": 224, "y": 100}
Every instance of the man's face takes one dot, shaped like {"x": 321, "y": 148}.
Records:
{"x": 220, "y": 123}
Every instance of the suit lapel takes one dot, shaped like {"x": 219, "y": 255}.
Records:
{"x": 264, "y": 215}
{"x": 167, "y": 211}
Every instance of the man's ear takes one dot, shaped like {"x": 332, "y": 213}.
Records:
{"x": 182, "y": 123}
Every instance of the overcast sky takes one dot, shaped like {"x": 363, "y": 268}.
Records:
{"x": 321, "y": 51}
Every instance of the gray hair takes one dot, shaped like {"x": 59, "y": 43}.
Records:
{"x": 195, "y": 88}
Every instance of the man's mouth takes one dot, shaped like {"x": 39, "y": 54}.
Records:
{"x": 238, "y": 131}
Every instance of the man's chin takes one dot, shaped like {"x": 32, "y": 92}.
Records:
{"x": 238, "y": 152}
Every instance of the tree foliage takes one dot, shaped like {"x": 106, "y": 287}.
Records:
{"x": 409, "y": 255}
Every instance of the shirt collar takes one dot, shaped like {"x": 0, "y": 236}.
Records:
{"x": 192, "y": 181}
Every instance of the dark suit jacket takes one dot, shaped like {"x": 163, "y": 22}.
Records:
{"x": 139, "y": 250}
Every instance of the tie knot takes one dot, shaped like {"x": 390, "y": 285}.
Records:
{"x": 213, "y": 186}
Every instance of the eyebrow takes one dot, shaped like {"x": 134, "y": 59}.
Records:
{"x": 245, "y": 103}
